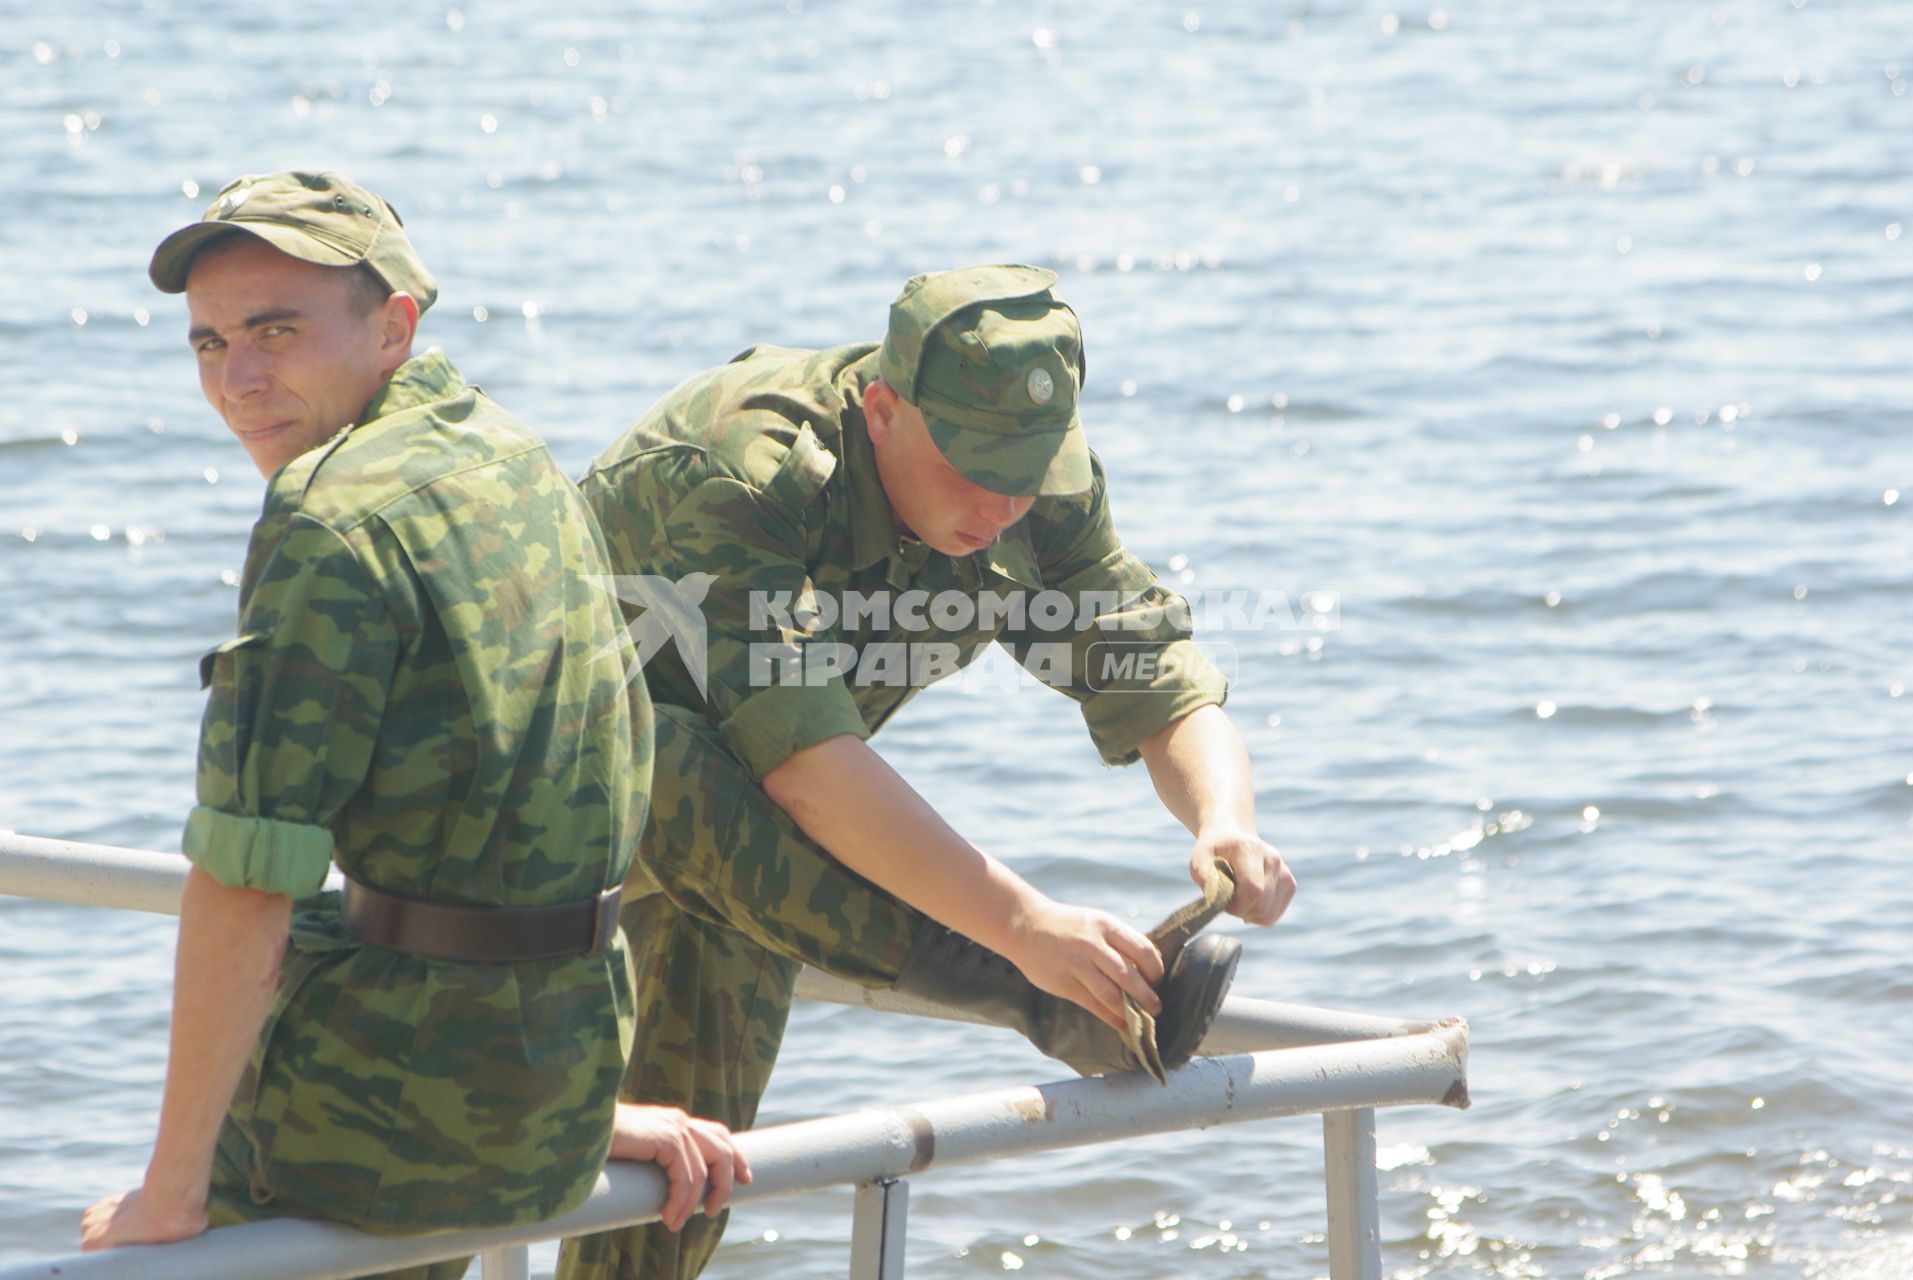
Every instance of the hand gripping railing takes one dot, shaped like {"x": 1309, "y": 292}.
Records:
{"x": 1289, "y": 1060}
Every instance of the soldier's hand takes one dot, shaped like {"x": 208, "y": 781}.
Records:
{"x": 1088, "y": 957}
{"x": 132, "y": 1218}
{"x": 700, "y": 1158}
{"x": 1264, "y": 885}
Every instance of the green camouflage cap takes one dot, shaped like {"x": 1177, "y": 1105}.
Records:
{"x": 316, "y": 217}
{"x": 994, "y": 360}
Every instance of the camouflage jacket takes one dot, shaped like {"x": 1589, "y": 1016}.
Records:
{"x": 819, "y": 620}
{"x": 412, "y": 695}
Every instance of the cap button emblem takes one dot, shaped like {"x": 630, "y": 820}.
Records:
{"x": 1042, "y": 387}
{"x": 234, "y": 200}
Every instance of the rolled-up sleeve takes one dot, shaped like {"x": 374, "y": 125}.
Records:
{"x": 1126, "y": 655}
{"x": 292, "y": 720}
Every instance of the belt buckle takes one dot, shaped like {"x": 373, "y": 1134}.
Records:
{"x": 604, "y": 924}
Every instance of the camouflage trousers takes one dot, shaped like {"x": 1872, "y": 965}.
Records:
{"x": 728, "y": 898}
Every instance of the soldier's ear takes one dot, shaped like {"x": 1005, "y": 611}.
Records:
{"x": 397, "y": 319}
{"x": 880, "y": 412}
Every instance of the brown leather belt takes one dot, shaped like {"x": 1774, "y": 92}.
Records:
{"x": 493, "y": 935}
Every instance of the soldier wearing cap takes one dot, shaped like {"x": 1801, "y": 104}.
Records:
{"x": 807, "y": 504}
{"x": 410, "y": 697}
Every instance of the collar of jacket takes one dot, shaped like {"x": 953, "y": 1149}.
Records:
{"x": 421, "y": 380}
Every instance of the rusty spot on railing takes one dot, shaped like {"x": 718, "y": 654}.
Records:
{"x": 923, "y": 1139}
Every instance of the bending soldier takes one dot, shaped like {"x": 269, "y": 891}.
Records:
{"x": 818, "y": 500}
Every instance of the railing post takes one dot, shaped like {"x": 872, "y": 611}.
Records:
{"x": 877, "y": 1229}
{"x": 512, "y": 1263}
{"x": 1354, "y": 1202}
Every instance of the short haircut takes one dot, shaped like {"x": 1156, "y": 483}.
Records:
{"x": 368, "y": 289}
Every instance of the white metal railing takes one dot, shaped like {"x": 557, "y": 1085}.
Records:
{"x": 1287, "y": 1060}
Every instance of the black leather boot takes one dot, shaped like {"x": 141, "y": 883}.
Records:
{"x": 1192, "y": 994}
{"x": 949, "y": 969}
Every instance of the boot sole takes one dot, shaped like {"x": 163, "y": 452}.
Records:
{"x": 1193, "y": 996}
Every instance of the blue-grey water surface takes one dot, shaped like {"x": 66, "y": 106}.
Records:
{"x": 1568, "y": 345}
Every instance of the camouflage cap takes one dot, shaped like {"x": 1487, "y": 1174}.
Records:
{"x": 316, "y": 217}
{"x": 994, "y": 360}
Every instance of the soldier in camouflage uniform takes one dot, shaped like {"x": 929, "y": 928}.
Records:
{"x": 410, "y": 696}
{"x": 858, "y": 519}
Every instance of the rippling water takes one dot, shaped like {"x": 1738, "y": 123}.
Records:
{"x": 1569, "y": 347}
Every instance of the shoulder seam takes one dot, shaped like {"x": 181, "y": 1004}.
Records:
{"x": 363, "y": 517}
{"x": 619, "y": 466}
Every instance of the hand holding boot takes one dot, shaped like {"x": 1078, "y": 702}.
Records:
{"x": 1088, "y": 957}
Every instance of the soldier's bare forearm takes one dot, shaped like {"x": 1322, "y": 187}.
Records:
{"x": 850, "y": 801}
{"x": 231, "y": 942}
{"x": 1200, "y": 769}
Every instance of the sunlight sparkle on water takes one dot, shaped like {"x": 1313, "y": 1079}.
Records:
{"x": 1622, "y": 650}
